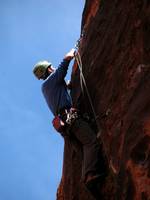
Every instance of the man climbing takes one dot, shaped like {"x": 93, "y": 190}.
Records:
{"x": 67, "y": 118}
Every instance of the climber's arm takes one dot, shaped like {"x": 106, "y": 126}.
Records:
{"x": 61, "y": 71}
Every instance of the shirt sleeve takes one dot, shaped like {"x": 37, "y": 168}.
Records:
{"x": 61, "y": 71}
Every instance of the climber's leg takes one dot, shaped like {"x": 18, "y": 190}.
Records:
{"x": 91, "y": 147}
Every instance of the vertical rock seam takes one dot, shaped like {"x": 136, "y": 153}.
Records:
{"x": 115, "y": 51}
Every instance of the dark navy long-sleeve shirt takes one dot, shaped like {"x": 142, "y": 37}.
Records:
{"x": 55, "y": 90}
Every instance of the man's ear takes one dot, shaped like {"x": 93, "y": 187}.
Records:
{"x": 50, "y": 69}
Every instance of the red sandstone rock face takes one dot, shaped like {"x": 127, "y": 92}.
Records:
{"x": 115, "y": 53}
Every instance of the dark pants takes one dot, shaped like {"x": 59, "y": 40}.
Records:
{"x": 91, "y": 148}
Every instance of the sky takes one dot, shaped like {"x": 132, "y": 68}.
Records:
{"x": 31, "y": 152}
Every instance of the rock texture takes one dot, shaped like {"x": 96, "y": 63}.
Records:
{"x": 115, "y": 51}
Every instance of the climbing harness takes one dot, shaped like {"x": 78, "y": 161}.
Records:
{"x": 65, "y": 119}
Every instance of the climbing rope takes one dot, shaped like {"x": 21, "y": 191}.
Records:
{"x": 83, "y": 82}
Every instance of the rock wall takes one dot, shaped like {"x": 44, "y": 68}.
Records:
{"x": 115, "y": 51}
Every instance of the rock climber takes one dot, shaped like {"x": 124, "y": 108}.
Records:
{"x": 55, "y": 91}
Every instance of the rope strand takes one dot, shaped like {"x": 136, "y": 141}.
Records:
{"x": 82, "y": 81}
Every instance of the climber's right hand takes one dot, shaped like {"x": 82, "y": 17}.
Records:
{"x": 70, "y": 55}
